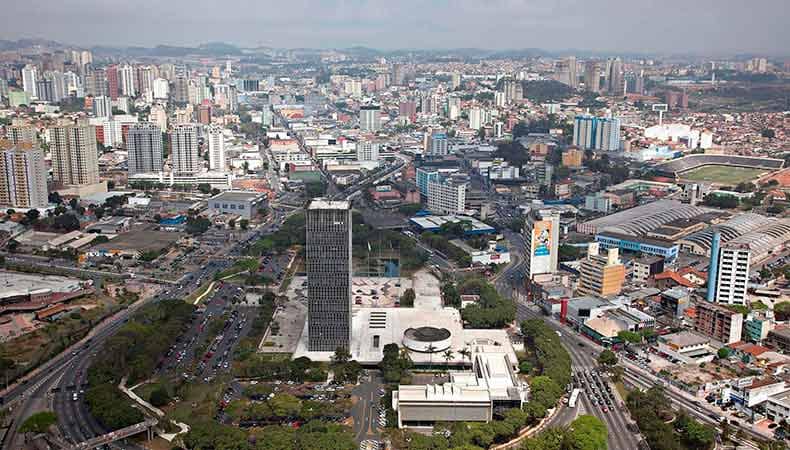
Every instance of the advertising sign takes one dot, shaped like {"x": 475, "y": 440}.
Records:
{"x": 541, "y": 238}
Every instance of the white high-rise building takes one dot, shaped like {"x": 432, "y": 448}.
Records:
{"x": 732, "y": 277}
{"x": 216, "y": 149}
{"x": 475, "y": 118}
{"x": 370, "y": 118}
{"x": 158, "y": 115}
{"x": 75, "y": 157}
{"x": 102, "y": 107}
{"x": 29, "y": 79}
{"x": 23, "y": 177}
{"x": 446, "y": 197}
{"x": 367, "y": 150}
{"x": 542, "y": 231}
{"x": 144, "y": 144}
{"x": 184, "y": 145}
{"x": 126, "y": 81}
{"x": 161, "y": 88}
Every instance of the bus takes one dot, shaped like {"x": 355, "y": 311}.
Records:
{"x": 574, "y": 397}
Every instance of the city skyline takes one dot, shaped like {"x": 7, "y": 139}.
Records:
{"x": 672, "y": 27}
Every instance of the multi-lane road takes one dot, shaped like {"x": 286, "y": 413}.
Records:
{"x": 583, "y": 355}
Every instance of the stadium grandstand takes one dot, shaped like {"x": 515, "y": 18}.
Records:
{"x": 767, "y": 240}
{"x": 642, "y": 219}
{"x": 676, "y": 167}
{"x": 699, "y": 243}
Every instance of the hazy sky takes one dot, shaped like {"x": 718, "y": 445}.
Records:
{"x": 706, "y": 26}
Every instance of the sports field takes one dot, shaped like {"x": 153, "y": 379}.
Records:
{"x": 725, "y": 175}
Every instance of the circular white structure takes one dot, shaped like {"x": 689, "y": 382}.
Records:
{"x": 427, "y": 339}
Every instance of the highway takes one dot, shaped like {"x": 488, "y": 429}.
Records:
{"x": 583, "y": 356}
{"x": 33, "y": 392}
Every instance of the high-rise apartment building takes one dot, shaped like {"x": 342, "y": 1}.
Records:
{"x": 45, "y": 90}
{"x": 615, "y": 78}
{"x": 158, "y": 115}
{"x": 438, "y": 145}
{"x": 23, "y": 176}
{"x": 181, "y": 90}
{"x": 113, "y": 85}
{"x": 144, "y": 144}
{"x": 601, "y": 274}
{"x": 328, "y": 261}
{"x": 21, "y": 132}
{"x": 542, "y": 231}
{"x": 596, "y": 133}
{"x": 126, "y": 80}
{"x": 476, "y": 118}
{"x": 370, "y": 118}
{"x": 102, "y": 107}
{"x": 732, "y": 277}
{"x": 216, "y": 149}
{"x": 29, "y": 79}
{"x": 184, "y": 149}
{"x": 96, "y": 82}
{"x": 75, "y": 157}
{"x": 592, "y": 79}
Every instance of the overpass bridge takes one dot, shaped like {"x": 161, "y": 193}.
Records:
{"x": 117, "y": 435}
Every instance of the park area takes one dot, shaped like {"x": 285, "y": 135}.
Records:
{"x": 723, "y": 175}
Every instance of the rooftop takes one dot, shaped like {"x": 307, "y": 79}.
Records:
{"x": 685, "y": 339}
{"x": 237, "y": 196}
{"x": 321, "y": 203}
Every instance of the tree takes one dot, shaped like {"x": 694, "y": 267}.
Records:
{"x": 588, "y": 433}
{"x": 407, "y": 299}
{"x": 782, "y": 311}
{"x": 630, "y": 337}
{"x": 607, "y": 358}
{"x": 32, "y": 215}
{"x": 67, "y": 222}
{"x": 448, "y": 355}
{"x": 341, "y": 355}
{"x": 73, "y": 203}
{"x": 38, "y": 422}
{"x": 159, "y": 397}
{"x": 568, "y": 253}
{"x": 768, "y": 133}
{"x": 617, "y": 373}
{"x": 204, "y": 188}
{"x": 244, "y": 224}
{"x": 723, "y": 353}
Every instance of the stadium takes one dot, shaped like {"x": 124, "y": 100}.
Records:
{"x": 726, "y": 170}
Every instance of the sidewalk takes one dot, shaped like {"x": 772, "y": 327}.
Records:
{"x": 156, "y": 411}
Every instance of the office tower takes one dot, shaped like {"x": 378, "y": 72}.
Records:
{"x": 542, "y": 231}
{"x": 367, "y": 150}
{"x": 23, "y": 176}
{"x": 181, "y": 90}
{"x": 370, "y": 118}
{"x": 455, "y": 80}
{"x": 184, "y": 149}
{"x": 328, "y": 263}
{"x": 20, "y": 132}
{"x": 45, "y": 90}
{"x": 158, "y": 116}
{"x": 423, "y": 176}
{"x": 102, "y": 107}
{"x": 216, "y": 149}
{"x": 161, "y": 88}
{"x": 75, "y": 158}
{"x": 29, "y": 79}
{"x": 438, "y": 145}
{"x": 447, "y": 196}
{"x": 475, "y": 118}
{"x": 601, "y": 274}
{"x": 144, "y": 144}
{"x": 732, "y": 276}
{"x": 615, "y": 81}
{"x": 113, "y": 86}
{"x": 126, "y": 80}
{"x": 720, "y": 323}
{"x": 596, "y": 133}
{"x": 592, "y": 79}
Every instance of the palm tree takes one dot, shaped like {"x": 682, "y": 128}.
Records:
{"x": 448, "y": 355}
{"x": 465, "y": 353}
{"x": 430, "y": 349}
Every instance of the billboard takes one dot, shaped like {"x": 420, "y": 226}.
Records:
{"x": 541, "y": 238}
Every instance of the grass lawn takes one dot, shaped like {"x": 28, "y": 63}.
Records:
{"x": 199, "y": 291}
{"x": 621, "y": 390}
{"x": 724, "y": 175}
{"x": 198, "y": 401}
